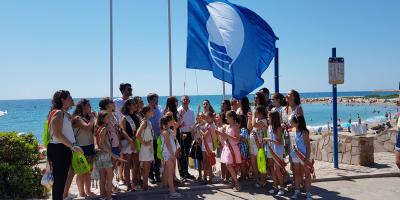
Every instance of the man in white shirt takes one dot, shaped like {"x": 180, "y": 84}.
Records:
{"x": 185, "y": 135}
{"x": 126, "y": 91}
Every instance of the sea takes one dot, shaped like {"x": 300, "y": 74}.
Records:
{"x": 24, "y": 116}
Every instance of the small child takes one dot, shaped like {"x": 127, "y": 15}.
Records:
{"x": 104, "y": 154}
{"x": 207, "y": 145}
{"x": 244, "y": 148}
{"x": 169, "y": 149}
{"x": 300, "y": 155}
{"x": 145, "y": 135}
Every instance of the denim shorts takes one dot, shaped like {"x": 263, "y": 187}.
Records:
{"x": 397, "y": 147}
{"x": 88, "y": 150}
{"x": 115, "y": 150}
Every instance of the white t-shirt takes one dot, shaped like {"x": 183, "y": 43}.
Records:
{"x": 188, "y": 119}
{"x": 119, "y": 102}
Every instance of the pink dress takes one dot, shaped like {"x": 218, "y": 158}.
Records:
{"x": 226, "y": 155}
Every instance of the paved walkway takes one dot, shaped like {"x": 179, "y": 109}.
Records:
{"x": 384, "y": 167}
{"x": 370, "y": 188}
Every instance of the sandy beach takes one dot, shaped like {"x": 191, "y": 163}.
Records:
{"x": 355, "y": 101}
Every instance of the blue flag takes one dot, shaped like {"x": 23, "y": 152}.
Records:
{"x": 233, "y": 42}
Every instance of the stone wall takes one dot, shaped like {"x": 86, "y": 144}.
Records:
{"x": 385, "y": 141}
{"x": 354, "y": 150}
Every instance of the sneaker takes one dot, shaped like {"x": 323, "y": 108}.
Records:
{"x": 272, "y": 191}
{"x": 281, "y": 192}
{"x": 175, "y": 195}
{"x": 120, "y": 183}
{"x": 308, "y": 196}
{"x": 296, "y": 194}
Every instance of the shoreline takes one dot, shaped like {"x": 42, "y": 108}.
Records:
{"x": 353, "y": 100}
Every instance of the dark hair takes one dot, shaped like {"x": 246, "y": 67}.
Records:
{"x": 302, "y": 126}
{"x": 261, "y": 99}
{"x": 165, "y": 120}
{"x": 264, "y": 90}
{"x": 100, "y": 118}
{"x": 211, "y": 108}
{"x": 296, "y": 95}
{"x": 137, "y": 99}
{"x": 122, "y": 86}
{"x": 245, "y": 104}
{"x": 56, "y": 102}
{"x": 275, "y": 121}
{"x": 233, "y": 115}
{"x": 103, "y": 103}
{"x": 79, "y": 108}
{"x": 243, "y": 121}
{"x": 280, "y": 98}
{"x": 209, "y": 114}
{"x": 151, "y": 96}
{"x": 227, "y": 105}
{"x": 125, "y": 107}
{"x": 171, "y": 106}
{"x": 145, "y": 110}
{"x": 261, "y": 110}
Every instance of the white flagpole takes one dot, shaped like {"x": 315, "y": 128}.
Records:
{"x": 111, "y": 51}
{"x": 169, "y": 46}
{"x": 223, "y": 89}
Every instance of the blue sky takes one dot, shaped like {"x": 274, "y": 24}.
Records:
{"x": 48, "y": 45}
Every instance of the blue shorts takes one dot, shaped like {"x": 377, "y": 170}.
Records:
{"x": 88, "y": 150}
{"x": 397, "y": 147}
{"x": 115, "y": 150}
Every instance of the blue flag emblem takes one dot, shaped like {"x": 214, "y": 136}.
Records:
{"x": 231, "y": 41}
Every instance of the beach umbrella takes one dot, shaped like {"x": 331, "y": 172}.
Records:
{"x": 346, "y": 125}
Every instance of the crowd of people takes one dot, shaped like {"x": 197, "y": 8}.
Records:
{"x": 148, "y": 143}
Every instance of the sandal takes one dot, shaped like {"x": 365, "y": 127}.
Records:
{"x": 237, "y": 188}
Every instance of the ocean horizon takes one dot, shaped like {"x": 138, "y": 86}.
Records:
{"x": 28, "y": 115}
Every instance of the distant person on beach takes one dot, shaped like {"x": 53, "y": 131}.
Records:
{"x": 152, "y": 99}
{"x": 126, "y": 91}
{"x": 83, "y": 123}
{"x": 265, "y": 92}
{"x": 349, "y": 126}
{"x": 62, "y": 141}
{"x": 185, "y": 136}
